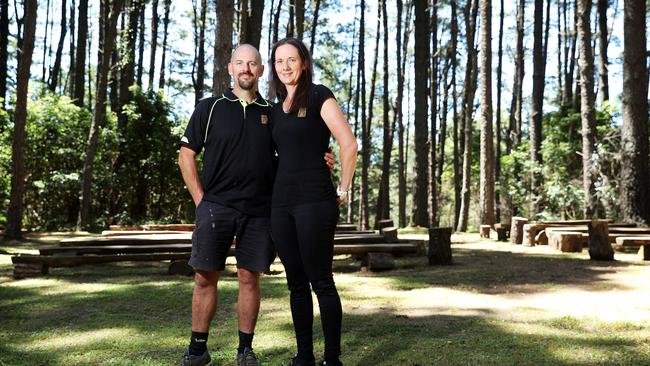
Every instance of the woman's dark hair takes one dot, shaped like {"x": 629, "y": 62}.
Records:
{"x": 301, "y": 98}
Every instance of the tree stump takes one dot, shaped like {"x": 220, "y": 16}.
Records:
{"x": 439, "y": 245}
{"x": 390, "y": 234}
{"x": 517, "y": 229}
{"x": 384, "y": 223}
{"x": 27, "y": 270}
{"x": 485, "y": 231}
{"x": 180, "y": 267}
{"x": 565, "y": 241}
{"x": 599, "y": 246}
{"x": 502, "y": 234}
{"x": 379, "y": 262}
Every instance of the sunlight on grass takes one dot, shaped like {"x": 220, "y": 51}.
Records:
{"x": 73, "y": 340}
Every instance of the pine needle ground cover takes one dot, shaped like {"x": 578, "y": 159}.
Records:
{"x": 498, "y": 304}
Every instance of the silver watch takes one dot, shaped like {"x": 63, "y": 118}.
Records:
{"x": 341, "y": 192}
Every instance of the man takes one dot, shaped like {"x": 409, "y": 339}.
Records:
{"x": 232, "y": 201}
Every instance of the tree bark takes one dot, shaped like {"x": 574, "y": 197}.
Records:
{"x": 456, "y": 159}
{"x": 198, "y": 79}
{"x": 433, "y": 93}
{"x": 15, "y": 209}
{"x": 422, "y": 54}
{"x": 56, "y": 69}
{"x": 141, "y": 32}
{"x": 46, "y": 33}
{"x": 300, "y": 18}
{"x": 486, "y": 189}
{"x": 69, "y": 84}
{"x": 155, "y": 19}
{"x": 80, "y": 57}
{"x": 537, "y": 104}
{"x": 587, "y": 113}
{"x": 383, "y": 199}
{"x": 163, "y": 64}
{"x": 314, "y": 23}
{"x": 468, "y": 107}
{"x": 635, "y": 180}
{"x": 276, "y": 21}
{"x": 4, "y": 42}
{"x": 603, "y": 64}
{"x": 99, "y": 110}
{"x": 251, "y": 14}
{"x": 222, "y": 46}
{"x": 366, "y": 129}
{"x": 599, "y": 246}
{"x": 291, "y": 24}
{"x": 497, "y": 160}
{"x": 401, "y": 185}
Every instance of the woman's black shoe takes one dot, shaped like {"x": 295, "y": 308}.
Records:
{"x": 295, "y": 361}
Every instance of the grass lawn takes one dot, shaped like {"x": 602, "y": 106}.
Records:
{"x": 496, "y": 305}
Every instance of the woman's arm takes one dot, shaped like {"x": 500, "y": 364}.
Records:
{"x": 338, "y": 125}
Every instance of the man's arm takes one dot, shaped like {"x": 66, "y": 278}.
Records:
{"x": 187, "y": 163}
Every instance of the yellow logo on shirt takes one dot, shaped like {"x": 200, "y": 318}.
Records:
{"x": 264, "y": 119}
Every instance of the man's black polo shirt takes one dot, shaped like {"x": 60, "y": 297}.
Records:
{"x": 238, "y": 155}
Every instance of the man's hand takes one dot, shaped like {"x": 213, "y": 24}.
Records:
{"x": 329, "y": 159}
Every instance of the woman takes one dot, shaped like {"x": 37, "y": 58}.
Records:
{"x": 305, "y": 204}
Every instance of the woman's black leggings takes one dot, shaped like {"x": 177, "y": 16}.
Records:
{"x": 304, "y": 238}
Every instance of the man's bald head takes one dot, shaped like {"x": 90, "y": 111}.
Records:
{"x": 245, "y": 67}
{"x": 246, "y": 48}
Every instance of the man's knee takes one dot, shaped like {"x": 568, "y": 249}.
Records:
{"x": 248, "y": 278}
{"x": 204, "y": 279}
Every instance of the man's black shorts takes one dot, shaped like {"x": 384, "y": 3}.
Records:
{"x": 217, "y": 226}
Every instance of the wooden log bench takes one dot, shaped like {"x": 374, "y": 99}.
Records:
{"x": 35, "y": 265}
{"x": 153, "y": 239}
{"x": 643, "y": 243}
{"x": 485, "y": 231}
{"x": 566, "y": 241}
{"x": 346, "y": 227}
{"x": 138, "y": 232}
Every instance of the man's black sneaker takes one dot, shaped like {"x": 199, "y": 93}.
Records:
{"x": 247, "y": 358}
{"x": 331, "y": 363}
{"x": 295, "y": 361}
{"x": 192, "y": 360}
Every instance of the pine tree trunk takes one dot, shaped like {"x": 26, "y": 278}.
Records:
{"x": 18, "y": 173}
{"x": 300, "y": 18}
{"x": 587, "y": 112}
{"x": 468, "y": 107}
{"x": 80, "y": 57}
{"x": 56, "y": 69}
{"x": 497, "y": 160}
{"x": 4, "y": 42}
{"x": 383, "y": 199}
{"x": 69, "y": 83}
{"x": 141, "y": 32}
{"x": 422, "y": 54}
{"x": 105, "y": 49}
{"x": 537, "y": 104}
{"x": 366, "y": 130}
{"x": 46, "y": 33}
{"x": 163, "y": 64}
{"x": 251, "y": 22}
{"x": 486, "y": 189}
{"x": 314, "y": 23}
{"x": 433, "y": 95}
{"x": 127, "y": 71}
{"x": 291, "y": 24}
{"x": 154, "y": 41}
{"x": 222, "y": 46}
{"x": 401, "y": 185}
{"x": 635, "y": 180}
{"x": 199, "y": 80}
{"x": 276, "y": 21}
{"x": 603, "y": 64}
{"x": 456, "y": 159}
